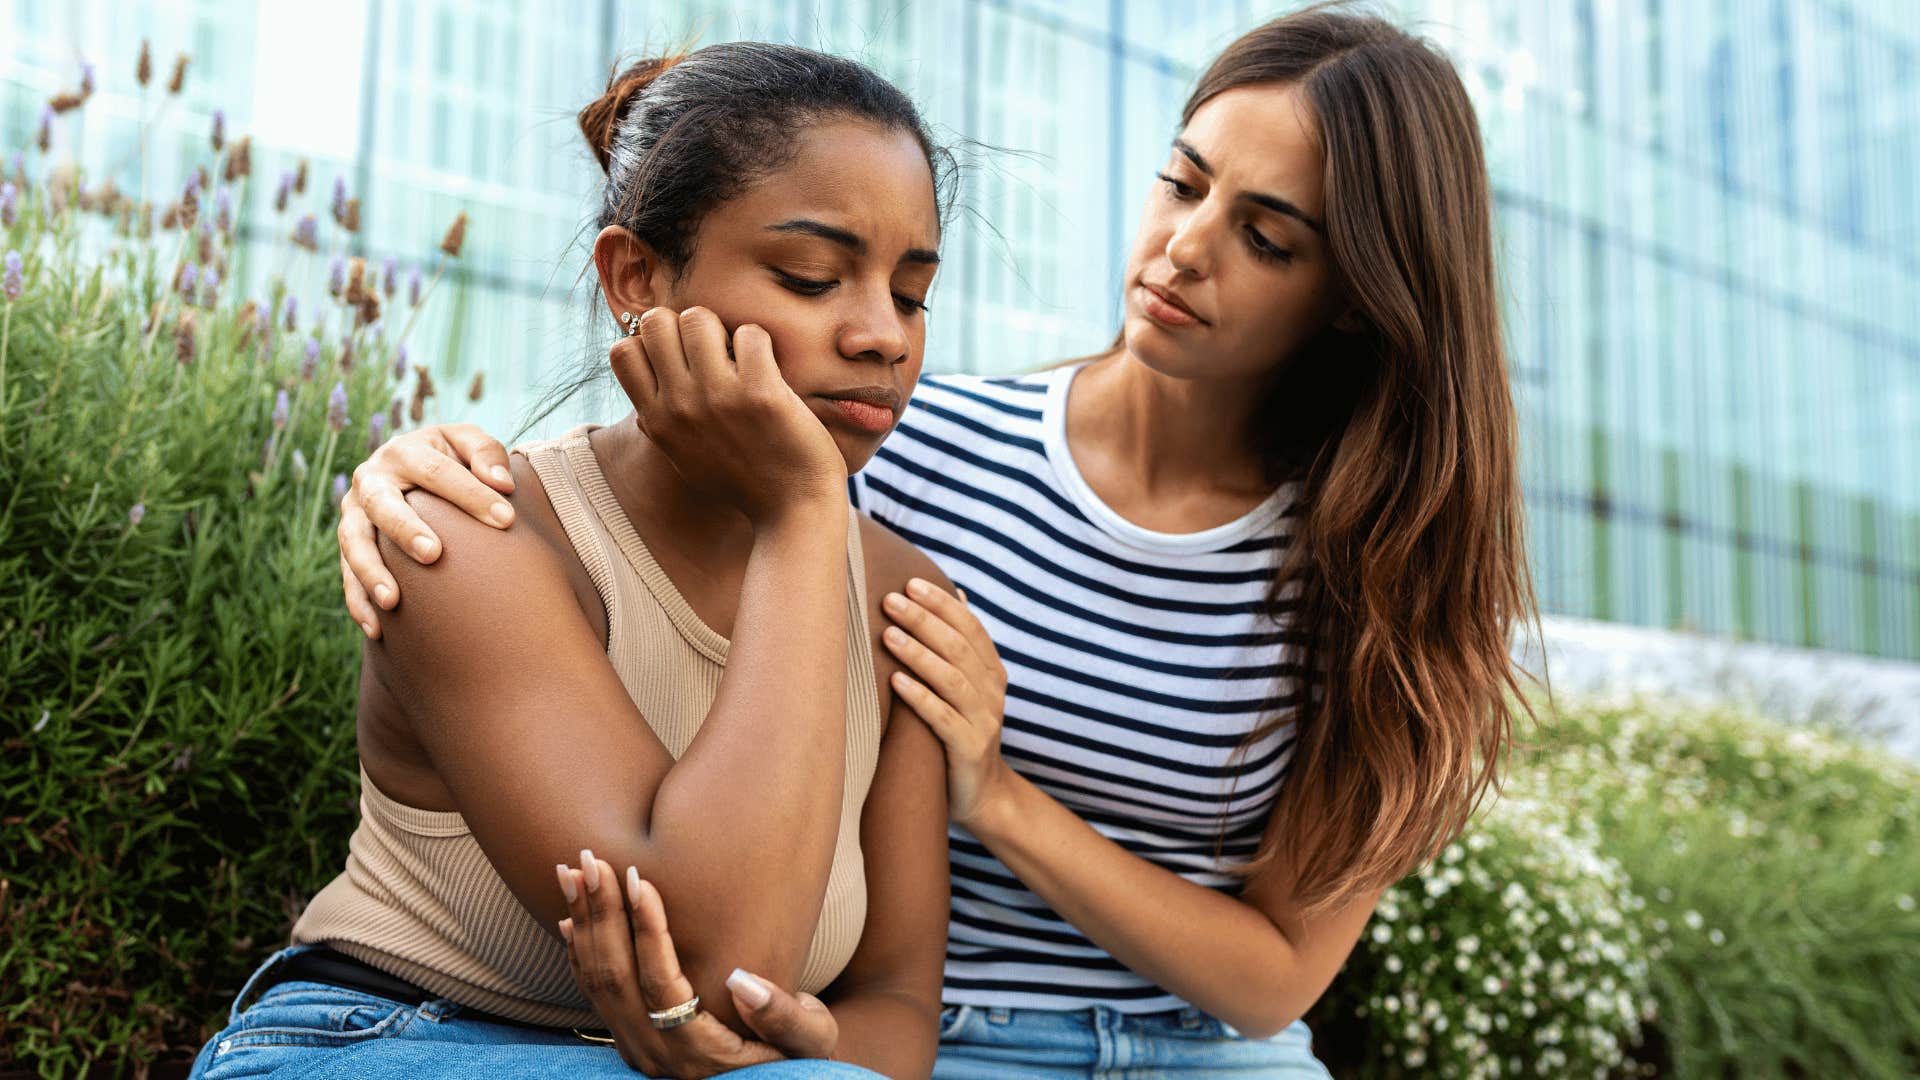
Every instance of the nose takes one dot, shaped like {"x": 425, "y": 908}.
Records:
{"x": 875, "y": 329}
{"x": 1189, "y": 246}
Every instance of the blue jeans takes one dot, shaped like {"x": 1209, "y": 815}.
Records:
{"x": 978, "y": 1043}
{"x": 310, "y": 1029}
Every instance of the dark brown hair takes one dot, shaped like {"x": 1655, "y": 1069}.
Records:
{"x": 682, "y": 134}
{"x": 1407, "y": 572}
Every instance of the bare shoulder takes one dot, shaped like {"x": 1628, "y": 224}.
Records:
{"x": 892, "y": 561}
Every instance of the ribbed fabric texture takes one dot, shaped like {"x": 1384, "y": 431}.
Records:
{"x": 419, "y": 898}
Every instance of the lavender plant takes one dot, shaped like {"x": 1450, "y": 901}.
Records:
{"x": 177, "y": 678}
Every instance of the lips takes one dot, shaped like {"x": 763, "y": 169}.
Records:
{"x": 1171, "y": 299}
{"x": 872, "y": 409}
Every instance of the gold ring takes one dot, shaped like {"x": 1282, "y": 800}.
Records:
{"x": 680, "y": 1014}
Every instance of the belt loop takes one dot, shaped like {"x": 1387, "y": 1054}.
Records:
{"x": 267, "y": 968}
{"x": 1189, "y": 1018}
{"x": 998, "y": 1015}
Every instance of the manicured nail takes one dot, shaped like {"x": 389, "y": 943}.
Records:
{"x": 751, "y": 990}
{"x": 422, "y": 546}
{"x": 380, "y": 594}
{"x": 918, "y": 587}
{"x": 366, "y": 628}
{"x": 894, "y": 635}
{"x": 502, "y": 514}
{"x": 895, "y": 602}
{"x": 501, "y": 475}
{"x": 633, "y": 887}
{"x": 566, "y": 930}
{"x": 566, "y": 881}
{"x": 590, "y": 869}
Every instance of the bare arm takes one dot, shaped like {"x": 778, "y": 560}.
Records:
{"x": 887, "y": 1000}
{"x": 1253, "y": 960}
{"x": 508, "y": 690}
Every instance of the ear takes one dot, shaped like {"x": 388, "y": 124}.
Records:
{"x": 633, "y": 277}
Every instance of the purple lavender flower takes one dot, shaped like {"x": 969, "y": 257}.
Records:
{"x": 376, "y": 431}
{"x": 413, "y": 287}
{"x": 290, "y": 313}
{"x": 339, "y": 489}
{"x": 282, "y": 193}
{"x": 193, "y": 184}
{"x": 337, "y": 275}
{"x": 400, "y": 362}
{"x": 390, "y": 276}
{"x": 307, "y": 233}
{"x": 266, "y": 449}
{"x": 86, "y": 78}
{"x": 219, "y": 130}
{"x": 189, "y": 280}
{"x": 223, "y": 210}
{"x": 9, "y": 205}
{"x": 299, "y": 466}
{"x": 339, "y": 198}
{"x": 280, "y": 409}
{"x": 44, "y": 137}
{"x": 138, "y": 512}
{"x": 311, "y": 361}
{"x": 337, "y": 408}
{"x": 13, "y": 281}
{"x": 209, "y": 287}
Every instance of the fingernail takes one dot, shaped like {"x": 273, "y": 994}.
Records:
{"x": 501, "y": 475}
{"x": 895, "y": 601}
{"x": 894, "y": 636}
{"x": 366, "y": 628}
{"x": 917, "y": 587}
{"x": 422, "y": 546}
{"x": 566, "y": 881}
{"x": 633, "y": 887}
{"x": 380, "y": 594}
{"x": 751, "y": 990}
{"x": 566, "y": 930}
{"x": 590, "y": 869}
{"x": 502, "y": 514}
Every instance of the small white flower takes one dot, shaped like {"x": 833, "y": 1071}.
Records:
{"x": 1693, "y": 920}
{"x": 1714, "y": 935}
{"x": 1904, "y": 902}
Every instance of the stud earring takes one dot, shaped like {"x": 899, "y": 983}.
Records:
{"x": 631, "y": 321}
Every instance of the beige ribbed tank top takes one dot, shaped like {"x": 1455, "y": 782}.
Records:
{"x": 419, "y": 898}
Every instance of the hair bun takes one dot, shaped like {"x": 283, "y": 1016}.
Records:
{"x": 600, "y": 120}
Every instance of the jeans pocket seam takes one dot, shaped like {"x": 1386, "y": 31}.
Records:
{"x": 286, "y": 1035}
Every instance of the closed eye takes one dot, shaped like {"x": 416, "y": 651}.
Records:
{"x": 909, "y": 305}
{"x": 803, "y": 286}
{"x": 1266, "y": 249}
{"x": 1180, "y": 190}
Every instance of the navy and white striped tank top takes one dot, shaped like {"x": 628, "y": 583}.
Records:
{"x": 1137, "y": 664}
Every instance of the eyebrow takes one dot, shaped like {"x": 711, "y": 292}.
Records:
{"x": 848, "y": 240}
{"x": 1272, "y": 202}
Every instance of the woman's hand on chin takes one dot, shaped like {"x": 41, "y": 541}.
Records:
{"x": 458, "y": 462}
{"x": 624, "y": 962}
{"x": 720, "y": 410}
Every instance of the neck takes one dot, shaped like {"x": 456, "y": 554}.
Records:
{"x": 650, "y": 490}
{"x": 1169, "y": 435}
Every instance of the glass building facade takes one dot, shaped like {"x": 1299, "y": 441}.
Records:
{"x": 1710, "y": 243}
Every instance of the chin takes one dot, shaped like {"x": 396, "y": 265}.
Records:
{"x": 1161, "y": 352}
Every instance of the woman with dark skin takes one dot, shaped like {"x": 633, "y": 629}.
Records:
{"x": 1250, "y": 575}
{"x": 508, "y": 720}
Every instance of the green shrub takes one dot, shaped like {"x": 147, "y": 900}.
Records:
{"x": 1517, "y": 953}
{"x": 1780, "y": 867}
{"x": 177, "y": 673}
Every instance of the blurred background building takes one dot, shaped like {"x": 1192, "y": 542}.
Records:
{"x": 1710, "y": 238}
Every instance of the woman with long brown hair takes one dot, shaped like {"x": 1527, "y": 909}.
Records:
{"x": 1230, "y": 650}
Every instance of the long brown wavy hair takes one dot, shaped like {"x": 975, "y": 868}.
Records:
{"x": 1407, "y": 571}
